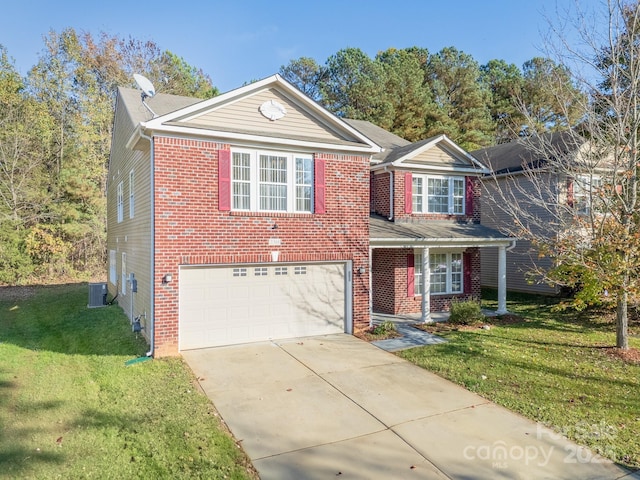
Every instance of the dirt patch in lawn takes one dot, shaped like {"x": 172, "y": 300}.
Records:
{"x": 15, "y": 294}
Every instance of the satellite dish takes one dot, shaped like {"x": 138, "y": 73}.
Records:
{"x": 145, "y": 85}
{"x": 148, "y": 91}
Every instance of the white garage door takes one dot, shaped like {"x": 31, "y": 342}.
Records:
{"x": 224, "y": 306}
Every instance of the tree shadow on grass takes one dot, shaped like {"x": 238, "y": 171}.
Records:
{"x": 56, "y": 318}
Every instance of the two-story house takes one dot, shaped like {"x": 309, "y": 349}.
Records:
{"x": 246, "y": 217}
{"x": 542, "y": 182}
{"x": 236, "y": 219}
{"x": 425, "y": 231}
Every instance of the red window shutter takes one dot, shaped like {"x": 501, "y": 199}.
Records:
{"x": 319, "y": 188}
{"x": 224, "y": 180}
{"x": 408, "y": 193}
{"x": 411, "y": 280}
{"x": 469, "y": 196}
{"x": 466, "y": 271}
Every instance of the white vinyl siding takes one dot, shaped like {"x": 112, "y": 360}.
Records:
{"x": 446, "y": 273}
{"x": 120, "y": 203}
{"x": 271, "y": 181}
{"x": 433, "y": 194}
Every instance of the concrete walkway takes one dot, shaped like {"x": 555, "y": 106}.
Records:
{"x": 338, "y": 407}
{"x": 410, "y": 337}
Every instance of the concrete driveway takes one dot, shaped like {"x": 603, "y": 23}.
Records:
{"x": 335, "y": 406}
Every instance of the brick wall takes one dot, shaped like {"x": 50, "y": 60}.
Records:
{"x": 390, "y": 291}
{"x": 380, "y": 194}
{"x": 191, "y": 230}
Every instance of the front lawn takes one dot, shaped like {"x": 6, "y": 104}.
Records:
{"x": 555, "y": 368}
{"x": 71, "y": 408}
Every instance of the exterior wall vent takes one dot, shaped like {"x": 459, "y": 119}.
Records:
{"x": 97, "y": 295}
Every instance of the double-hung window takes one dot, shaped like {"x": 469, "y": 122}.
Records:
{"x": 120, "y": 202}
{"x": 446, "y": 274}
{"x": 271, "y": 181}
{"x": 432, "y": 194}
{"x": 585, "y": 193}
{"x": 131, "y": 195}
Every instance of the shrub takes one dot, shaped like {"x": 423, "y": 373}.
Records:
{"x": 465, "y": 312}
{"x": 385, "y": 328}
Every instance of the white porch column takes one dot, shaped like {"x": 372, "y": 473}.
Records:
{"x": 502, "y": 280}
{"x": 425, "y": 287}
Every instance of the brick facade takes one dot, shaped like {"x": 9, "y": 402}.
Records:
{"x": 390, "y": 289}
{"x": 190, "y": 229}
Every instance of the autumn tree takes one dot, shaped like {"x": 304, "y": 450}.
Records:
{"x": 587, "y": 221}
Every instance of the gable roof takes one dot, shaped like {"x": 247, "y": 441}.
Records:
{"x": 529, "y": 153}
{"x": 236, "y": 116}
{"x": 451, "y": 157}
{"x": 161, "y": 103}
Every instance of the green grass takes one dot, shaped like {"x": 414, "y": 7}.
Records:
{"x": 70, "y": 408}
{"x": 554, "y": 369}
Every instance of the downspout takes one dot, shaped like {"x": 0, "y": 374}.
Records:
{"x": 152, "y": 317}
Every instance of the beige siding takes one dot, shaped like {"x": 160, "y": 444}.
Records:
{"x": 244, "y": 116}
{"x": 133, "y": 235}
{"x": 524, "y": 257}
{"x": 437, "y": 156}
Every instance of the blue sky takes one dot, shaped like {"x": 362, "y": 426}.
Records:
{"x": 236, "y": 41}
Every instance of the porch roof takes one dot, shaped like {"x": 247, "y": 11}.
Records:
{"x": 384, "y": 233}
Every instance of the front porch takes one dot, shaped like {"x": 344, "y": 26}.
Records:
{"x": 419, "y": 268}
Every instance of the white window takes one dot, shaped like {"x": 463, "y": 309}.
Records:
{"x": 123, "y": 274}
{"x": 271, "y": 181}
{"x": 260, "y": 271}
{"x": 300, "y": 270}
{"x": 585, "y": 193}
{"x": 120, "y": 203}
{"x": 438, "y": 194}
{"x": 131, "y": 195}
{"x": 239, "y": 272}
{"x": 446, "y": 273}
{"x": 113, "y": 274}
{"x": 281, "y": 271}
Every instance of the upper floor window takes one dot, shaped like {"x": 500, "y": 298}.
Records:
{"x": 431, "y": 194}
{"x": 585, "y": 193}
{"x": 271, "y": 181}
{"x": 131, "y": 195}
{"x": 120, "y": 202}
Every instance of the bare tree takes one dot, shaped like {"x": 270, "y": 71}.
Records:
{"x": 574, "y": 194}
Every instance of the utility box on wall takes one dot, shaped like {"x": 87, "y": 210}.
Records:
{"x": 97, "y": 295}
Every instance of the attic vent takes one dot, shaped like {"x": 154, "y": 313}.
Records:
{"x": 97, "y": 295}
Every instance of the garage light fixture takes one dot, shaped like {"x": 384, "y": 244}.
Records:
{"x": 361, "y": 270}
{"x": 167, "y": 278}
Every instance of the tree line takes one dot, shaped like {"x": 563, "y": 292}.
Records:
{"x": 56, "y": 121}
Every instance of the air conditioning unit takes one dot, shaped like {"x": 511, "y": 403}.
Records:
{"x": 97, "y": 295}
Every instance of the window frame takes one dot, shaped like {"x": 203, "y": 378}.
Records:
{"x": 261, "y": 179}
{"x": 448, "y": 274}
{"x": 120, "y": 202}
{"x": 583, "y": 193}
{"x": 420, "y": 200}
{"x": 123, "y": 273}
{"x": 131, "y": 194}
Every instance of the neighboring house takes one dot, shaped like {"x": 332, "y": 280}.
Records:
{"x": 521, "y": 175}
{"x": 246, "y": 217}
{"x": 240, "y": 218}
{"x": 425, "y": 224}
